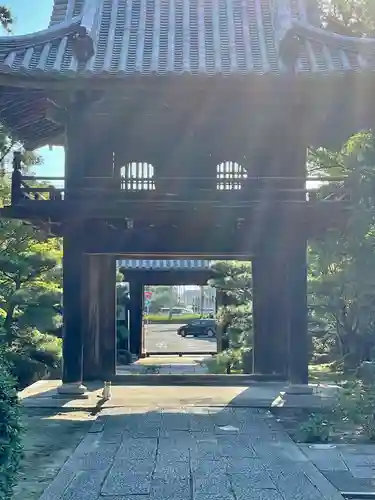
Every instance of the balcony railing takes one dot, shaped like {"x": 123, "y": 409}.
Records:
{"x": 178, "y": 190}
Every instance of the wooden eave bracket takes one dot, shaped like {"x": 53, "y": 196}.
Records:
{"x": 55, "y": 113}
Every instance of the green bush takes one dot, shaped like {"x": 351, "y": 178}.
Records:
{"x": 124, "y": 357}
{"x": 10, "y": 433}
{"x": 219, "y": 363}
{"x": 318, "y": 428}
{"x": 122, "y": 337}
{"x": 25, "y": 370}
{"x": 356, "y": 404}
{"x": 33, "y": 356}
{"x": 164, "y": 318}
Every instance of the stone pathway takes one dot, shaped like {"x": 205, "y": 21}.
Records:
{"x": 188, "y": 453}
{"x": 351, "y": 468}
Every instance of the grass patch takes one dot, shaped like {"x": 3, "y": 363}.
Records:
{"x": 326, "y": 373}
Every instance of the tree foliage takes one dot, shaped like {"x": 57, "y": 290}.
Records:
{"x": 233, "y": 281}
{"x": 349, "y": 17}
{"x": 342, "y": 264}
{"x": 6, "y": 18}
{"x": 30, "y": 286}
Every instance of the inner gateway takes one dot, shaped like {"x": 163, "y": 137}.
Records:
{"x": 191, "y": 298}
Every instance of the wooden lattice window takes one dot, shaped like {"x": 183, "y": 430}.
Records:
{"x": 230, "y": 175}
{"x": 137, "y": 176}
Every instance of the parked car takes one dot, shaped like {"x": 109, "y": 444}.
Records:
{"x": 198, "y": 328}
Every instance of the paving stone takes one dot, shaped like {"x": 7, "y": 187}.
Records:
{"x": 359, "y": 460}
{"x": 173, "y": 456}
{"x": 171, "y": 470}
{"x": 97, "y": 426}
{"x": 178, "y": 420}
{"x": 235, "y": 451}
{"x": 99, "y": 458}
{"x": 260, "y": 495}
{"x": 137, "y": 449}
{"x": 213, "y": 484}
{"x": 319, "y": 480}
{"x": 175, "y": 435}
{"x": 56, "y": 489}
{"x": 344, "y": 481}
{"x": 128, "y": 478}
{"x": 281, "y": 450}
{"x": 84, "y": 486}
{"x": 207, "y": 448}
{"x": 249, "y": 473}
{"x": 357, "y": 449}
{"x": 205, "y": 496}
{"x": 89, "y": 443}
{"x": 171, "y": 488}
{"x": 142, "y": 433}
{"x": 325, "y": 459}
{"x": 201, "y": 423}
{"x": 208, "y": 467}
{"x": 293, "y": 483}
{"x": 363, "y": 472}
{"x": 126, "y": 497}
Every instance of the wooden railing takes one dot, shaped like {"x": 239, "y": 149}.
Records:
{"x": 179, "y": 190}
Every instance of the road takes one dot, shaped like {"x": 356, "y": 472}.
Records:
{"x": 163, "y": 338}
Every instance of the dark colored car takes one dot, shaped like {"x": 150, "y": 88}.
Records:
{"x": 198, "y": 328}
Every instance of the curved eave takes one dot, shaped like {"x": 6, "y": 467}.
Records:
{"x": 324, "y": 51}
{"x": 24, "y": 113}
{"x": 10, "y": 44}
{"x": 43, "y": 52}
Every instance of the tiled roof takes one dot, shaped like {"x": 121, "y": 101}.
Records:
{"x": 115, "y": 39}
{"x": 182, "y": 36}
{"x": 166, "y": 265}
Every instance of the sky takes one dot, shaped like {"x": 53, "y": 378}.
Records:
{"x": 29, "y": 17}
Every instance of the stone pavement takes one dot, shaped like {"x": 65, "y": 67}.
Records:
{"x": 188, "y": 453}
{"x": 350, "y": 467}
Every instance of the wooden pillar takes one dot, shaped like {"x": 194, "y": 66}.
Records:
{"x": 294, "y": 156}
{"x": 298, "y": 312}
{"x": 136, "y": 317}
{"x": 270, "y": 315}
{"x": 108, "y": 340}
{"x": 73, "y": 284}
{"x": 73, "y": 246}
{"x": 99, "y": 319}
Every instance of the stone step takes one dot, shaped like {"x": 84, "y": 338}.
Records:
{"x": 194, "y": 379}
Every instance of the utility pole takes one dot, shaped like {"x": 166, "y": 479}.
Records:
{"x": 202, "y": 299}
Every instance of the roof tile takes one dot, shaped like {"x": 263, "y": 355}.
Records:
{"x": 178, "y": 36}
{"x": 165, "y": 265}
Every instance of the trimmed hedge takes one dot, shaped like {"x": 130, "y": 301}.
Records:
{"x": 164, "y": 318}
{"x": 10, "y": 433}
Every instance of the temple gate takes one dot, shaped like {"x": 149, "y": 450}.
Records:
{"x": 185, "y": 125}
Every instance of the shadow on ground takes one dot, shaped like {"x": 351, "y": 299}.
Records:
{"x": 170, "y": 450}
